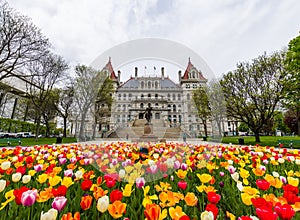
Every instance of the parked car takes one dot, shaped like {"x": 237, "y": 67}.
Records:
{"x": 25, "y": 135}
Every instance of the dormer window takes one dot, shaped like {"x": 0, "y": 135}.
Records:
{"x": 187, "y": 86}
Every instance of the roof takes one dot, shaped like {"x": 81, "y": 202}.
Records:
{"x": 110, "y": 69}
{"x": 164, "y": 83}
{"x": 189, "y": 67}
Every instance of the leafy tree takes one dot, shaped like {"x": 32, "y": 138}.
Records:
{"x": 47, "y": 71}
{"x": 201, "y": 101}
{"x": 290, "y": 120}
{"x": 293, "y": 90}
{"x": 87, "y": 84}
{"x": 243, "y": 127}
{"x": 21, "y": 42}
{"x": 253, "y": 90}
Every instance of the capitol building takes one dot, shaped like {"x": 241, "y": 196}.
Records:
{"x": 171, "y": 102}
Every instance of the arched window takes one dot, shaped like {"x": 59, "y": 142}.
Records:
{"x": 156, "y": 85}
{"x": 156, "y": 96}
{"x": 142, "y": 96}
{"x": 174, "y": 108}
{"x": 124, "y": 107}
{"x": 142, "y": 84}
{"x": 149, "y": 95}
{"x": 149, "y": 84}
{"x": 156, "y": 105}
{"x": 142, "y": 105}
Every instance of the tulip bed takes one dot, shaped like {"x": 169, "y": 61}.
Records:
{"x": 171, "y": 181}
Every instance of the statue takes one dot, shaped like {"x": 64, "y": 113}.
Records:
{"x": 148, "y": 114}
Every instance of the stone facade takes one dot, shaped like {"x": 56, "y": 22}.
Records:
{"x": 170, "y": 101}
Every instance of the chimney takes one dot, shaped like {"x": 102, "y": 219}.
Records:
{"x": 162, "y": 73}
{"x": 136, "y": 72}
{"x": 179, "y": 76}
{"x": 119, "y": 76}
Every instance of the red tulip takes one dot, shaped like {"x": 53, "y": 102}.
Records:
{"x": 115, "y": 195}
{"x": 18, "y": 194}
{"x": 285, "y": 212}
{"x": 245, "y": 218}
{"x": 182, "y": 185}
{"x": 290, "y": 188}
{"x": 213, "y": 197}
{"x": 262, "y": 203}
{"x": 212, "y": 208}
{"x": 265, "y": 214}
{"x": 60, "y": 191}
{"x": 263, "y": 184}
{"x": 86, "y": 184}
{"x": 184, "y": 217}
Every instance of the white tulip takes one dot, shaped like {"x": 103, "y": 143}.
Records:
{"x": 26, "y": 179}
{"x": 102, "y": 204}
{"x": 16, "y": 177}
{"x": 122, "y": 173}
{"x": 50, "y": 215}
{"x": 5, "y": 165}
{"x": 2, "y": 185}
{"x": 207, "y": 215}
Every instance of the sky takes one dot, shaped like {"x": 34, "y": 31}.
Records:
{"x": 222, "y": 32}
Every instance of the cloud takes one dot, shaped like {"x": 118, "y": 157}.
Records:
{"x": 222, "y": 32}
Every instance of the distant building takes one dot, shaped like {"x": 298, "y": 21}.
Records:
{"x": 171, "y": 102}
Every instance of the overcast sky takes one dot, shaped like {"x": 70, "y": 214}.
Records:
{"x": 222, "y": 32}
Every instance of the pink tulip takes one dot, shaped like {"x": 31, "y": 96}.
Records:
{"x": 68, "y": 173}
{"x": 38, "y": 167}
{"x": 176, "y": 165}
{"x": 62, "y": 161}
{"x": 140, "y": 182}
{"x": 28, "y": 197}
{"x": 59, "y": 203}
{"x": 184, "y": 166}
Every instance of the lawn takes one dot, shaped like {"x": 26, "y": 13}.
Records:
{"x": 41, "y": 141}
{"x": 265, "y": 140}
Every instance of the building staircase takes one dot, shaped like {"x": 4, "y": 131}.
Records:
{"x": 160, "y": 130}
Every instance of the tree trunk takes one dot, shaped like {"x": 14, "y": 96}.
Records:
{"x": 81, "y": 129}
{"x": 37, "y": 129}
{"x": 47, "y": 128}
{"x": 257, "y": 139}
{"x": 205, "y": 128}
{"x": 65, "y": 127}
{"x": 298, "y": 120}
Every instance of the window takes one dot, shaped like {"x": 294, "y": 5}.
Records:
{"x": 142, "y": 105}
{"x": 119, "y": 108}
{"x": 188, "y": 96}
{"x": 156, "y": 85}
{"x": 187, "y": 86}
{"x": 142, "y": 84}
{"x": 191, "y": 128}
{"x": 194, "y": 86}
{"x": 142, "y": 96}
{"x": 149, "y": 84}
{"x": 174, "y": 108}
{"x": 169, "y": 96}
{"x": 119, "y": 97}
{"x": 174, "y": 97}
{"x": 124, "y": 107}
{"x": 124, "y": 96}
{"x": 129, "y": 95}
{"x": 156, "y": 96}
{"x": 156, "y": 105}
{"x": 149, "y": 95}
{"x": 179, "y": 97}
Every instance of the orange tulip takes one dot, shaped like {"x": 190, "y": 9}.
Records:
{"x": 69, "y": 216}
{"x": 117, "y": 209}
{"x": 86, "y": 202}
{"x": 45, "y": 195}
{"x": 99, "y": 192}
{"x": 153, "y": 212}
{"x": 190, "y": 199}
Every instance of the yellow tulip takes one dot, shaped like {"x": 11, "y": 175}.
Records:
{"x": 31, "y": 172}
{"x": 67, "y": 181}
{"x": 246, "y": 198}
{"x": 9, "y": 197}
{"x": 53, "y": 181}
{"x": 42, "y": 178}
{"x": 204, "y": 178}
{"x": 176, "y": 213}
{"x": 293, "y": 181}
{"x": 201, "y": 188}
{"x": 181, "y": 174}
{"x": 127, "y": 190}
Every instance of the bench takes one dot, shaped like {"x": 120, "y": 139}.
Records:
{"x": 10, "y": 141}
{"x": 289, "y": 143}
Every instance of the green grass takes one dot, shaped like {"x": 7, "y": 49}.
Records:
{"x": 41, "y": 141}
{"x": 264, "y": 140}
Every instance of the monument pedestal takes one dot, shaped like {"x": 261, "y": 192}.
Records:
{"x": 148, "y": 135}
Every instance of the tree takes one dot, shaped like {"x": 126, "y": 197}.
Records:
{"x": 253, "y": 90}
{"x": 64, "y": 104}
{"x": 293, "y": 90}
{"x": 47, "y": 71}
{"x": 21, "y": 42}
{"x": 87, "y": 84}
{"x": 103, "y": 104}
{"x": 290, "y": 120}
{"x": 217, "y": 105}
{"x": 201, "y": 101}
